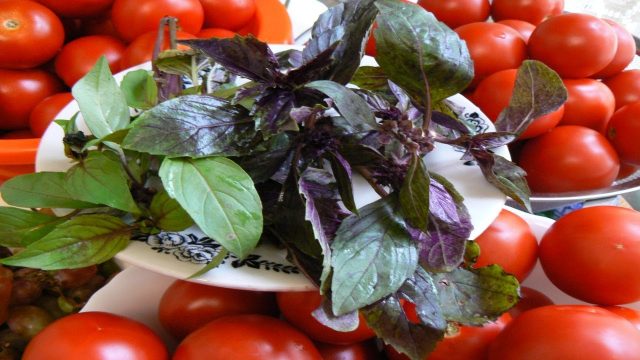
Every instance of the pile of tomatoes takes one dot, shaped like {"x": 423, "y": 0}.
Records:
{"x": 47, "y": 45}
{"x": 592, "y": 140}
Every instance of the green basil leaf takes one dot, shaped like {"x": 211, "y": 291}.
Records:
{"x": 352, "y": 107}
{"x": 372, "y": 256}
{"x": 371, "y": 78}
{"x": 101, "y": 102}
{"x": 220, "y": 197}
{"x": 414, "y": 194}
{"x": 100, "y": 179}
{"x": 167, "y": 214}
{"x": 40, "y": 190}
{"x": 82, "y": 241}
{"x": 475, "y": 296}
{"x": 419, "y": 53}
{"x": 506, "y": 176}
{"x": 140, "y": 89}
{"x": 20, "y": 227}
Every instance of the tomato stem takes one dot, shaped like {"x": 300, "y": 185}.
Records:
{"x": 11, "y": 24}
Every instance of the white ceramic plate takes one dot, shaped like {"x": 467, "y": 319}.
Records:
{"x": 183, "y": 254}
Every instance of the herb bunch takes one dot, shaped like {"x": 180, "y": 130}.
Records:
{"x": 273, "y": 159}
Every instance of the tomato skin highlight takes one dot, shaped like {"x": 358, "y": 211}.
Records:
{"x": 592, "y": 254}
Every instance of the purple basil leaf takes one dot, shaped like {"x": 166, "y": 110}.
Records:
{"x": 342, "y": 172}
{"x": 169, "y": 85}
{"x": 267, "y": 159}
{"x": 313, "y": 69}
{"x": 359, "y": 155}
{"x": 440, "y": 250}
{"x": 193, "y": 125}
{"x": 538, "y": 91}
{"x": 414, "y": 194}
{"x": 291, "y": 58}
{"x": 371, "y": 78}
{"x": 475, "y": 296}
{"x": 344, "y": 323}
{"x": 352, "y": 107}
{"x": 404, "y": 101}
{"x": 349, "y": 23}
{"x": 505, "y": 175}
{"x": 247, "y": 56}
{"x": 271, "y": 111}
{"x": 449, "y": 122}
{"x": 492, "y": 140}
{"x": 389, "y": 321}
{"x": 372, "y": 256}
{"x": 442, "y": 203}
{"x": 421, "y": 291}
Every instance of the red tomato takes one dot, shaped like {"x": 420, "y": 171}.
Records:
{"x": 6, "y": 285}
{"x": 493, "y": 47}
{"x": 296, "y": 307}
{"x": 215, "y": 33}
{"x": 529, "y": 299}
{"x": 80, "y": 55}
{"x": 228, "y": 14}
{"x": 574, "y": 45}
{"x": 132, "y": 18}
{"x": 96, "y": 336}
{"x": 531, "y": 11}
{"x": 624, "y": 132}
{"x": 18, "y": 134}
{"x": 20, "y": 92}
{"x": 590, "y": 104}
{"x": 625, "y": 87}
{"x": 626, "y": 170}
{"x": 493, "y": 94}
{"x": 78, "y": 8}
{"x": 625, "y": 51}
{"x": 271, "y": 23}
{"x": 186, "y": 306}
{"x": 45, "y": 112}
{"x": 456, "y": 13}
{"x": 99, "y": 26}
{"x": 592, "y": 254}
{"x": 140, "y": 50}
{"x": 630, "y": 314}
{"x": 567, "y": 332}
{"x": 370, "y": 47}
{"x": 246, "y": 337}
{"x": 467, "y": 343}
{"x": 508, "y": 242}
{"x": 30, "y": 34}
{"x": 356, "y": 351}
{"x": 569, "y": 158}
{"x": 524, "y": 28}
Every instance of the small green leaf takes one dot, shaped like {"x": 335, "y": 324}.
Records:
{"x": 419, "y": 53}
{"x": 40, "y": 190}
{"x": 101, "y": 102}
{"x": 351, "y": 106}
{"x": 82, "y": 241}
{"x": 167, "y": 214}
{"x": 414, "y": 194}
{"x": 19, "y": 227}
{"x": 220, "y": 197}
{"x": 214, "y": 263}
{"x": 475, "y": 296}
{"x": 100, "y": 179}
{"x": 372, "y": 256}
{"x": 506, "y": 176}
{"x": 140, "y": 89}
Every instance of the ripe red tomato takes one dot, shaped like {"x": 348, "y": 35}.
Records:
{"x": 569, "y": 158}
{"x": 466, "y": 343}
{"x": 628, "y": 313}
{"x": 357, "y": 351}
{"x": 456, "y": 13}
{"x": 524, "y": 28}
{"x": 625, "y": 51}
{"x": 529, "y": 299}
{"x": 98, "y": 26}
{"x": 45, "y": 112}
{"x": 625, "y": 87}
{"x": 140, "y": 50}
{"x": 575, "y": 45}
{"x": 592, "y": 254}
{"x": 493, "y": 47}
{"x": 493, "y": 94}
{"x": 20, "y": 91}
{"x": 624, "y": 131}
{"x": 246, "y": 337}
{"x": 531, "y": 11}
{"x": 215, "y": 33}
{"x": 30, "y": 34}
{"x": 186, "y": 306}
{"x": 132, "y": 18}
{"x": 18, "y": 134}
{"x": 510, "y": 243}
{"x": 96, "y": 336}
{"x": 567, "y": 332}
{"x": 626, "y": 169}
{"x": 296, "y": 307}
{"x": 228, "y": 14}
{"x": 590, "y": 104}
{"x": 80, "y": 55}
{"x": 78, "y": 8}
